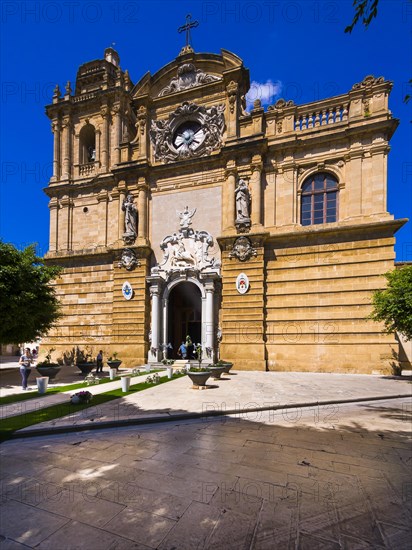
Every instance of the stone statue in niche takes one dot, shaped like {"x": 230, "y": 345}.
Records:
{"x": 130, "y": 219}
{"x": 242, "y": 197}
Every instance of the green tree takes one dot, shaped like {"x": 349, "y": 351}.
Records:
{"x": 28, "y": 303}
{"x": 393, "y": 305}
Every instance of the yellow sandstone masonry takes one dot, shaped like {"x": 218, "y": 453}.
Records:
{"x": 166, "y": 190}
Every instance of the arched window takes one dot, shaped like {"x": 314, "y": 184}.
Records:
{"x": 87, "y": 144}
{"x": 319, "y": 200}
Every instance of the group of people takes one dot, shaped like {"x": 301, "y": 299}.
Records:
{"x": 188, "y": 350}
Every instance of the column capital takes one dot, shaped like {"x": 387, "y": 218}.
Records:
{"x": 231, "y": 172}
{"x": 257, "y": 163}
{"x": 121, "y": 186}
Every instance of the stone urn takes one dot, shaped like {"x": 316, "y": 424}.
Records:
{"x": 226, "y": 366}
{"x": 199, "y": 378}
{"x": 86, "y": 368}
{"x": 216, "y": 371}
{"x": 114, "y": 363}
{"x": 48, "y": 369}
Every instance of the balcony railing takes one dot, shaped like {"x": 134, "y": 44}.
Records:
{"x": 322, "y": 117}
{"x": 87, "y": 169}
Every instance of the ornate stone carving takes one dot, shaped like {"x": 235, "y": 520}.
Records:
{"x": 141, "y": 119}
{"x": 130, "y": 220}
{"x": 186, "y": 217}
{"x": 190, "y": 131}
{"x": 281, "y": 104}
{"x": 242, "y": 249}
{"x": 231, "y": 89}
{"x": 56, "y": 92}
{"x": 128, "y": 259}
{"x": 368, "y": 82}
{"x": 242, "y": 198}
{"x": 186, "y": 250}
{"x": 187, "y": 77}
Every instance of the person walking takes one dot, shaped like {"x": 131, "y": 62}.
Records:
{"x": 25, "y": 363}
{"x": 182, "y": 351}
{"x": 99, "y": 362}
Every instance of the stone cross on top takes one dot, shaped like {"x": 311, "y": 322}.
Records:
{"x": 187, "y": 28}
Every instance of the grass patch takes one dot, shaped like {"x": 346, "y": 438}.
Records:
{"x": 14, "y": 423}
{"x": 16, "y": 397}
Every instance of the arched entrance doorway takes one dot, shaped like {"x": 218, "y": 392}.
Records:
{"x": 184, "y": 316}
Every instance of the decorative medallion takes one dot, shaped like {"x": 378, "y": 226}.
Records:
{"x": 242, "y": 249}
{"x": 187, "y": 77}
{"x": 190, "y": 131}
{"x": 242, "y": 283}
{"x": 128, "y": 259}
{"x": 127, "y": 291}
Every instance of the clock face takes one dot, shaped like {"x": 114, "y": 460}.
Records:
{"x": 188, "y": 136}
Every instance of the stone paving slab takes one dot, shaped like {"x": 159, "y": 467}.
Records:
{"x": 251, "y": 482}
{"x": 241, "y": 391}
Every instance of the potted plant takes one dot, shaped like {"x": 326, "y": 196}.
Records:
{"x": 83, "y": 361}
{"x": 81, "y": 397}
{"x": 69, "y": 356}
{"x": 225, "y": 364}
{"x": 47, "y": 368}
{"x": 216, "y": 370}
{"x": 199, "y": 376}
{"x": 113, "y": 362}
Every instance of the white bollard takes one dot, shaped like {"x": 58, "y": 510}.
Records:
{"x": 169, "y": 372}
{"x": 42, "y": 383}
{"x": 112, "y": 374}
{"x": 125, "y": 383}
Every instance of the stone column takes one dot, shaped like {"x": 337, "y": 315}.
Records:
{"x": 142, "y": 229}
{"x": 256, "y": 185}
{"x": 117, "y": 131}
{"x": 230, "y": 198}
{"x": 210, "y": 290}
{"x": 104, "y": 111}
{"x": 165, "y": 314}
{"x": 56, "y": 128}
{"x": 66, "y": 148}
{"x": 154, "y": 293}
{"x": 98, "y": 161}
{"x": 53, "y": 206}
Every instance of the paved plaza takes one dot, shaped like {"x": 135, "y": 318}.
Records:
{"x": 322, "y": 476}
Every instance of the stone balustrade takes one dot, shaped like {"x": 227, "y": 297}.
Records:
{"x": 307, "y": 118}
{"x": 87, "y": 169}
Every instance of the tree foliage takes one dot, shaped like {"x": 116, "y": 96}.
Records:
{"x": 393, "y": 305}
{"x": 365, "y": 10}
{"x": 28, "y": 303}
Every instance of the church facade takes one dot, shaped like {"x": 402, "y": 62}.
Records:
{"x": 261, "y": 234}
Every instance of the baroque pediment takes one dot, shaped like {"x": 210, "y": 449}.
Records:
{"x": 188, "y": 76}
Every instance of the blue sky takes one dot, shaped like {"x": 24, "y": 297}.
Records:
{"x": 298, "y": 48}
